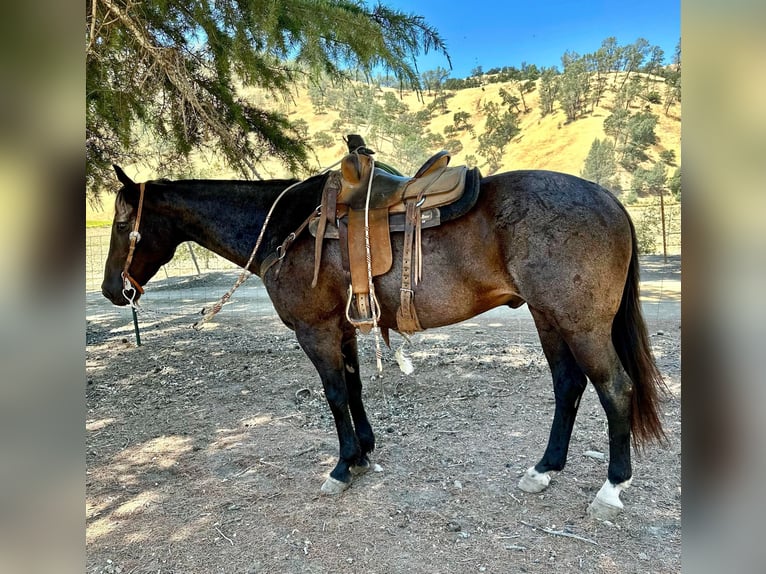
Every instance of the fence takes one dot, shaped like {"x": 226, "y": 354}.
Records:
{"x": 194, "y": 279}
{"x": 190, "y": 259}
{"x": 651, "y": 220}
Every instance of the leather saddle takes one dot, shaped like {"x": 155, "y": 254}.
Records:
{"x": 362, "y": 204}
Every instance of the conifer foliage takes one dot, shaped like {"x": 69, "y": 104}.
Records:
{"x": 173, "y": 71}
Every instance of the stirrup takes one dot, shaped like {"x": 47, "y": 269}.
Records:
{"x": 369, "y": 313}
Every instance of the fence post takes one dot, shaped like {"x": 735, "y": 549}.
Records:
{"x": 194, "y": 257}
{"x": 662, "y": 215}
{"x": 135, "y": 326}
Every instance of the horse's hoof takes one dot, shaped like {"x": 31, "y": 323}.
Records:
{"x": 607, "y": 504}
{"x": 360, "y": 468}
{"x": 534, "y": 481}
{"x": 600, "y": 510}
{"x": 334, "y": 486}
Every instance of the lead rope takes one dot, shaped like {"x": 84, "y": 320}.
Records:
{"x": 246, "y": 273}
{"x": 374, "y": 305}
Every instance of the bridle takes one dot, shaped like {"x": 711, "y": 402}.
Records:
{"x": 128, "y": 282}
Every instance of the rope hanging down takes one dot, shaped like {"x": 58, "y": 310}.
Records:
{"x": 374, "y": 304}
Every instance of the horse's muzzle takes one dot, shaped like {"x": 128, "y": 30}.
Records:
{"x": 118, "y": 296}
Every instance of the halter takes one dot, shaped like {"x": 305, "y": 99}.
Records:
{"x": 130, "y": 284}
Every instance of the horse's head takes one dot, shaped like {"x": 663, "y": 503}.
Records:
{"x": 123, "y": 278}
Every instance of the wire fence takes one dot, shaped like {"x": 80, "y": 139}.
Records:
{"x": 658, "y": 226}
{"x": 192, "y": 259}
{"x": 189, "y": 259}
{"x": 179, "y": 293}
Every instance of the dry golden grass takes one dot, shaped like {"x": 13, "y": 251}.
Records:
{"x": 544, "y": 142}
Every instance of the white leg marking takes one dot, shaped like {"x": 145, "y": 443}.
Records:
{"x": 534, "y": 481}
{"x": 333, "y": 486}
{"x": 607, "y": 504}
{"x": 358, "y": 469}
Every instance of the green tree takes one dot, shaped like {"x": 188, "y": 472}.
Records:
{"x": 600, "y": 164}
{"x": 549, "y": 87}
{"x": 318, "y": 96}
{"x": 668, "y": 157}
{"x": 439, "y": 103}
{"x": 510, "y": 100}
{"x": 173, "y": 69}
{"x": 627, "y": 93}
{"x": 460, "y": 119}
{"x": 600, "y": 64}
{"x": 652, "y": 69}
{"x": 574, "y": 85}
{"x": 324, "y": 139}
{"x": 616, "y": 126}
{"x": 433, "y": 80}
{"x": 641, "y": 135}
{"x": 501, "y": 127}
{"x": 654, "y": 64}
{"x": 529, "y": 72}
{"x": 673, "y": 80}
{"x": 650, "y": 181}
{"x": 674, "y": 184}
{"x": 633, "y": 57}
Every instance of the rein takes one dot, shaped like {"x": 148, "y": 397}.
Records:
{"x": 130, "y": 284}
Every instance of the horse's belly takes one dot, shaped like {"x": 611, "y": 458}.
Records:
{"x": 438, "y": 311}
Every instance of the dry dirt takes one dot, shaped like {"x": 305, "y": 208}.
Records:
{"x": 206, "y": 450}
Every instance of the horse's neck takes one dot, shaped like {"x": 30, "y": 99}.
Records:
{"x": 225, "y": 220}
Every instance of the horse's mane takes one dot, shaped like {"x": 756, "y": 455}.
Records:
{"x": 123, "y": 205}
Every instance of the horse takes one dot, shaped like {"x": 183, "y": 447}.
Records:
{"x": 563, "y": 245}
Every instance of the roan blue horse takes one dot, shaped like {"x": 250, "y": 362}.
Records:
{"x": 564, "y": 246}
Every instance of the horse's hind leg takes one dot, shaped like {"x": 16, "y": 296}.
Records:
{"x": 569, "y": 382}
{"x": 598, "y": 358}
{"x": 362, "y": 426}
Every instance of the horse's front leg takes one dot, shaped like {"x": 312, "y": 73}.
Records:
{"x": 362, "y": 425}
{"x": 323, "y": 348}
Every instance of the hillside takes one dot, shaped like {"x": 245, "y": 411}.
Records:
{"x": 544, "y": 142}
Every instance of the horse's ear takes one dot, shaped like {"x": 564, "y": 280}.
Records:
{"x": 129, "y": 193}
{"x": 122, "y": 176}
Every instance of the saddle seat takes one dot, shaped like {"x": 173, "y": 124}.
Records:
{"x": 433, "y": 185}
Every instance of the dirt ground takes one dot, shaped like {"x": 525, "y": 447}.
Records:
{"x": 206, "y": 450}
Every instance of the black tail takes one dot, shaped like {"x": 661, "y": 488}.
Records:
{"x": 631, "y": 340}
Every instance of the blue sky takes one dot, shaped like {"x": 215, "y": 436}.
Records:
{"x": 496, "y": 33}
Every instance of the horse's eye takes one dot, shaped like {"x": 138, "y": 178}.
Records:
{"x": 123, "y": 226}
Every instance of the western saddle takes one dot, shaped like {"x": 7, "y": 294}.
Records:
{"x": 363, "y": 203}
